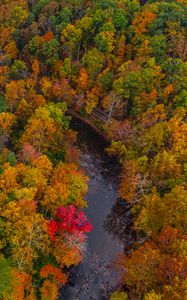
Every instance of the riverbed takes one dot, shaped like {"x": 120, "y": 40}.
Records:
{"x": 96, "y": 277}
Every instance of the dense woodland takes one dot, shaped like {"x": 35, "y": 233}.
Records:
{"x": 127, "y": 59}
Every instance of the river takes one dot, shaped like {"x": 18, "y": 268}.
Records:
{"x": 95, "y": 277}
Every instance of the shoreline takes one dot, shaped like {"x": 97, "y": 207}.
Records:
{"x": 86, "y": 121}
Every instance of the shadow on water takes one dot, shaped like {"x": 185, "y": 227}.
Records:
{"x": 95, "y": 277}
{"x": 119, "y": 223}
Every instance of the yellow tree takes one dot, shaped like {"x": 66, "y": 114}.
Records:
{"x": 29, "y": 235}
{"x": 67, "y": 186}
{"x": 39, "y": 131}
{"x": 15, "y": 91}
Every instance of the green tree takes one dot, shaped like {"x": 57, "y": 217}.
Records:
{"x": 6, "y": 277}
{"x": 18, "y": 70}
{"x": 94, "y": 61}
{"x": 120, "y": 19}
{"x": 51, "y": 51}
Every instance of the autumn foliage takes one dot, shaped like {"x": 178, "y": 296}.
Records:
{"x": 122, "y": 65}
{"x": 70, "y": 221}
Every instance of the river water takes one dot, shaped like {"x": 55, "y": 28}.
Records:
{"x": 95, "y": 277}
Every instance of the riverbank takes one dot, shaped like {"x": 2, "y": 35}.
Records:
{"x": 85, "y": 120}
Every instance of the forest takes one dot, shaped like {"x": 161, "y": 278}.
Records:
{"x": 121, "y": 66}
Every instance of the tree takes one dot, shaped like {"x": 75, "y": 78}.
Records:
{"x": 130, "y": 181}
{"x": 8, "y": 179}
{"x": 6, "y": 122}
{"x": 35, "y": 69}
{"x": 29, "y": 235}
{"x": 58, "y": 275}
{"x": 83, "y": 79}
{"x": 11, "y": 50}
{"x": 141, "y": 269}
{"x": 105, "y": 41}
{"x": 94, "y": 61}
{"x": 152, "y": 296}
{"x": 71, "y": 37}
{"x": 70, "y": 221}
{"x": 106, "y": 79}
{"x": 46, "y": 86}
{"x": 18, "y": 15}
{"x": 40, "y": 130}
{"x": 120, "y": 19}
{"x": 51, "y": 51}
{"x": 92, "y": 100}
{"x": 157, "y": 212}
{"x": 67, "y": 186}
{"x": 113, "y": 101}
{"x": 27, "y": 153}
{"x": 6, "y": 278}
{"x": 15, "y": 90}
{"x": 22, "y": 286}
{"x": 3, "y": 77}
{"x": 176, "y": 289}
{"x": 119, "y": 296}
{"x": 68, "y": 235}
{"x": 153, "y": 265}
{"x": 142, "y": 20}
{"x": 49, "y": 290}
{"x": 18, "y": 70}
{"x": 86, "y": 26}
{"x": 166, "y": 169}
